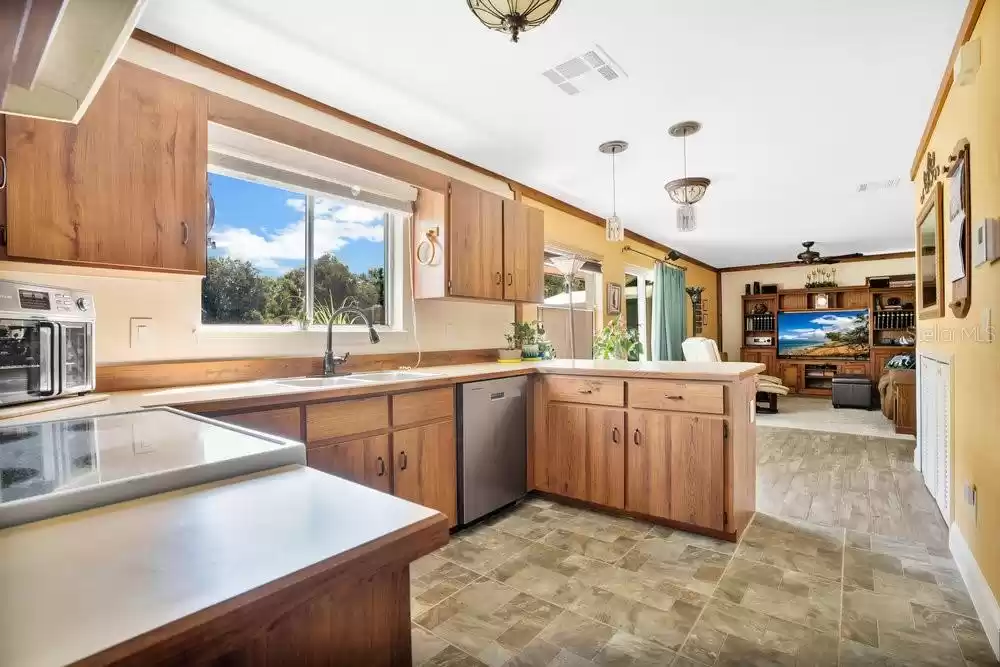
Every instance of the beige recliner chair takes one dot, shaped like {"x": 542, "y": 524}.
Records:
{"x": 769, "y": 388}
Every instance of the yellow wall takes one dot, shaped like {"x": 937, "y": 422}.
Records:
{"x": 973, "y": 112}
{"x": 563, "y": 228}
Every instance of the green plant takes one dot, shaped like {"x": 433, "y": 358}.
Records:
{"x": 525, "y": 333}
{"x": 617, "y": 341}
{"x": 511, "y": 343}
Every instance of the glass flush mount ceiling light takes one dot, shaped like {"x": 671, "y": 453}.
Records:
{"x": 689, "y": 190}
{"x": 614, "y": 229}
{"x": 513, "y": 16}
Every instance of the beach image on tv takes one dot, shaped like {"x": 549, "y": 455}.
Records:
{"x": 831, "y": 333}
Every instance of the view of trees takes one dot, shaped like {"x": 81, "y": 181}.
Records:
{"x": 556, "y": 284}
{"x": 855, "y": 337}
{"x": 236, "y": 292}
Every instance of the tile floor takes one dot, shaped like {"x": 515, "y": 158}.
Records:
{"x": 818, "y": 414}
{"x": 551, "y": 585}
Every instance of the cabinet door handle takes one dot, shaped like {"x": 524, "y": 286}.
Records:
{"x": 381, "y": 466}
{"x": 673, "y": 397}
{"x": 3, "y": 173}
{"x": 615, "y": 435}
{"x": 402, "y": 460}
{"x": 510, "y": 279}
{"x": 585, "y": 391}
{"x": 185, "y": 233}
{"x": 636, "y": 437}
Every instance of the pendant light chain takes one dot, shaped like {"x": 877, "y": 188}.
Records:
{"x": 614, "y": 187}
{"x": 685, "y": 144}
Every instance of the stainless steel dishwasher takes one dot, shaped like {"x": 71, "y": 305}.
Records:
{"x": 492, "y": 446}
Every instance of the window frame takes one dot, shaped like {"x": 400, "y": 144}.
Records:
{"x": 392, "y": 222}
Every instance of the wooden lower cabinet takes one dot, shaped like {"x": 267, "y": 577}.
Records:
{"x": 606, "y": 457}
{"x": 791, "y": 376}
{"x": 565, "y": 457}
{"x": 585, "y": 454}
{"x": 424, "y": 467}
{"x": 648, "y": 457}
{"x": 697, "y": 471}
{"x": 366, "y": 461}
{"x": 676, "y": 467}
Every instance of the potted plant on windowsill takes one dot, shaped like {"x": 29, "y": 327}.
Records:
{"x": 510, "y": 353}
{"x": 617, "y": 341}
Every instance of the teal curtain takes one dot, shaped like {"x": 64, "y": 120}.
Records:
{"x": 669, "y": 324}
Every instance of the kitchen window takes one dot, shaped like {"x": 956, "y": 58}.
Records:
{"x": 288, "y": 249}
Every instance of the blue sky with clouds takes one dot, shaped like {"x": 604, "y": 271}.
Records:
{"x": 266, "y": 225}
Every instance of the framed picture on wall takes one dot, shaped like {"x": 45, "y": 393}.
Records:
{"x": 930, "y": 256}
{"x": 613, "y": 299}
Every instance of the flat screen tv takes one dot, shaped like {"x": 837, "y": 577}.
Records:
{"x": 823, "y": 334}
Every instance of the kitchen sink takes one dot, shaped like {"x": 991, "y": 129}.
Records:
{"x": 335, "y": 381}
{"x": 394, "y": 376}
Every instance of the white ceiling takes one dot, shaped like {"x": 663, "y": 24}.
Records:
{"x": 801, "y": 101}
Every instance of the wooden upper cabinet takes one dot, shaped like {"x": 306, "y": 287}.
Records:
{"x": 125, "y": 187}
{"x": 523, "y": 252}
{"x": 476, "y": 231}
{"x": 473, "y": 244}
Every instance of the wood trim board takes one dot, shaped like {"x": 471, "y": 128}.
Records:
{"x": 518, "y": 189}
{"x": 972, "y": 13}
{"x": 157, "y": 374}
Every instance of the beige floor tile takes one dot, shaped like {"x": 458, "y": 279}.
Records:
{"x": 862, "y": 575}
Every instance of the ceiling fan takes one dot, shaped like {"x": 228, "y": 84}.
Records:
{"x": 810, "y": 256}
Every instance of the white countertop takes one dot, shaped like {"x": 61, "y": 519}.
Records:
{"x": 268, "y": 389}
{"x": 63, "y": 466}
{"x": 74, "y": 586}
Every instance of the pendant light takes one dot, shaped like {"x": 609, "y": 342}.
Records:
{"x": 614, "y": 230}
{"x": 513, "y": 16}
{"x": 687, "y": 191}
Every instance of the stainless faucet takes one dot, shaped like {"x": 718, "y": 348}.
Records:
{"x": 331, "y": 361}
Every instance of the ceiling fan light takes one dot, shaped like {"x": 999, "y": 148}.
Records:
{"x": 687, "y": 220}
{"x": 513, "y": 16}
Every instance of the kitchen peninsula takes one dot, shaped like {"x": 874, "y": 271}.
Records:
{"x": 671, "y": 441}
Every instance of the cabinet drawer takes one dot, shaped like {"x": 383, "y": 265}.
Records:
{"x": 327, "y": 421}
{"x": 423, "y": 406}
{"x": 678, "y": 396}
{"x": 284, "y": 422}
{"x": 854, "y": 369}
{"x": 594, "y": 391}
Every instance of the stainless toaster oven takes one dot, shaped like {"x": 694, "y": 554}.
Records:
{"x": 46, "y": 342}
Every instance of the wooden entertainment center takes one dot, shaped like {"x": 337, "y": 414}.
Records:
{"x": 813, "y": 375}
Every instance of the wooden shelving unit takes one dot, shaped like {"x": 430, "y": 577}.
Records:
{"x": 891, "y": 315}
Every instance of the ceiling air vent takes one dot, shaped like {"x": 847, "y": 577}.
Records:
{"x": 591, "y": 69}
{"x": 878, "y": 186}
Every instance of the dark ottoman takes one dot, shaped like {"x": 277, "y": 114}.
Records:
{"x": 853, "y": 391}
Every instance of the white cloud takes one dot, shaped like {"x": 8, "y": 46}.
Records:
{"x": 336, "y": 225}
{"x": 834, "y": 322}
